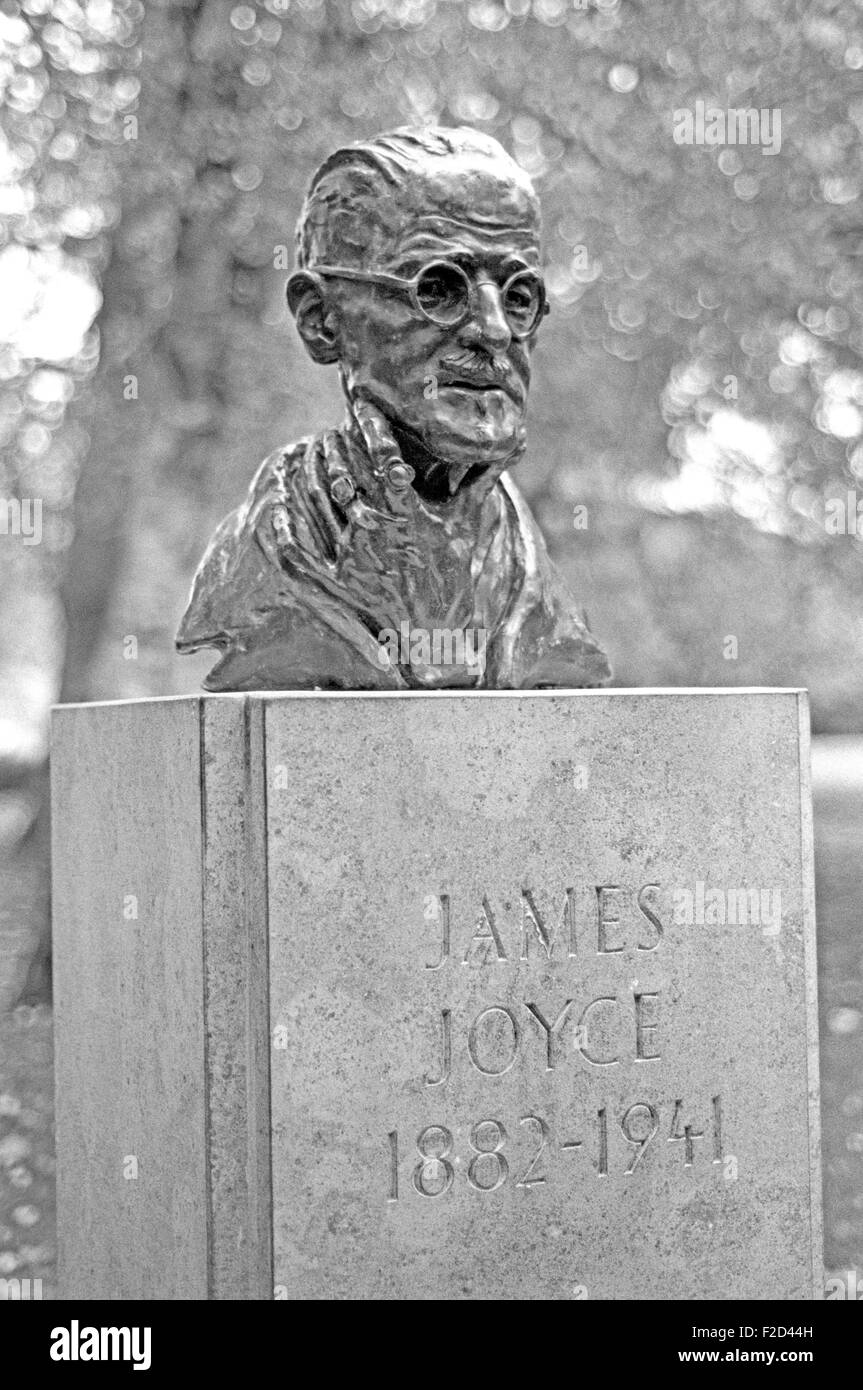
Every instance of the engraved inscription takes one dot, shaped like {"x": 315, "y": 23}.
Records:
{"x": 496, "y": 1039}
{"x": 549, "y": 1029}
{"x": 717, "y": 1129}
{"x": 436, "y": 910}
{"x": 608, "y": 921}
{"x": 620, "y": 1147}
{"x": 536, "y": 926}
{"x": 646, "y": 899}
{"x": 603, "y": 1142}
{"x": 584, "y": 1033}
{"x": 433, "y": 1175}
{"x": 485, "y": 944}
{"x": 446, "y": 1051}
{"x": 640, "y": 1142}
{"x": 487, "y": 1139}
{"x": 643, "y": 1026}
{"x": 685, "y": 1132}
{"x": 604, "y": 1033}
{"x": 531, "y": 1175}
{"x": 541, "y": 934}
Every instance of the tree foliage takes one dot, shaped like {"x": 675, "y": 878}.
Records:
{"x": 698, "y": 392}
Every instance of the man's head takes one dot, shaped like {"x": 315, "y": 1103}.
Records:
{"x": 442, "y": 359}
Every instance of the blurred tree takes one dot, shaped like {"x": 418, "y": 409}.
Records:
{"x": 704, "y": 354}
{"x": 698, "y": 391}
{"x": 66, "y": 75}
{"x": 156, "y": 405}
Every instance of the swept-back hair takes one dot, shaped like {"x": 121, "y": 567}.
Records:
{"x": 362, "y": 193}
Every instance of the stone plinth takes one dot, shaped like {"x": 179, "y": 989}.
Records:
{"x": 454, "y": 996}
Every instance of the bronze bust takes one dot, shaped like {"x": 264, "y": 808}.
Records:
{"x": 394, "y": 552}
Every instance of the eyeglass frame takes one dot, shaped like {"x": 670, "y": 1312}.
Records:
{"x": 375, "y": 277}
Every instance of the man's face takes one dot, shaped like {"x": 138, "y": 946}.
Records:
{"x": 459, "y": 391}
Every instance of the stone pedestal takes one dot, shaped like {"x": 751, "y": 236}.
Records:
{"x": 446, "y": 996}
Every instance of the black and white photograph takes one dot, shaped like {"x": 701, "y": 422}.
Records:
{"x": 431, "y": 668}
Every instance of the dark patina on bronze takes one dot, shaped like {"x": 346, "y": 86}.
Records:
{"x": 394, "y": 552}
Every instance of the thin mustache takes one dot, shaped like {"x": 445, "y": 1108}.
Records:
{"x": 477, "y": 365}
{"x": 477, "y": 368}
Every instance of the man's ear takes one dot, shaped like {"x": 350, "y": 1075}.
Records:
{"x": 307, "y": 303}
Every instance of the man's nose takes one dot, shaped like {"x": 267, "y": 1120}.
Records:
{"x": 487, "y": 323}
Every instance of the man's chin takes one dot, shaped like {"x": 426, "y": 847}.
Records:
{"x": 470, "y": 441}
{"x": 460, "y": 454}
{"x": 480, "y": 422}
{"x": 449, "y": 452}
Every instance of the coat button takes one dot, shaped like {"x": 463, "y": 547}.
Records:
{"x": 343, "y": 490}
{"x": 400, "y": 476}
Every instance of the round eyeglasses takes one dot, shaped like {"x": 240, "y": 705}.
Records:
{"x": 444, "y": 293}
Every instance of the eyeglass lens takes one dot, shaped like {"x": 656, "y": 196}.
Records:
{"x": 443, "y": 294}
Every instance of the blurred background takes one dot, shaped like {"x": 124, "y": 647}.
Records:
{"x": 696, "y": 429}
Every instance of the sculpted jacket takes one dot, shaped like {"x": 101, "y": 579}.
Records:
{"x": 333, "y": 547}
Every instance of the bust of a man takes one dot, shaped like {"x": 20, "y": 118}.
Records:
{"x": 394, "y": 552}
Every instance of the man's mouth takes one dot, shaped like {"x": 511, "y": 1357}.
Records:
{"x": 469, "y": 370}
{"x": 478, "y": 385}
{"x": 475, "y": 385}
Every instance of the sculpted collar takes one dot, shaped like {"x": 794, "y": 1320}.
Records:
{"x": 356, "y": 478}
